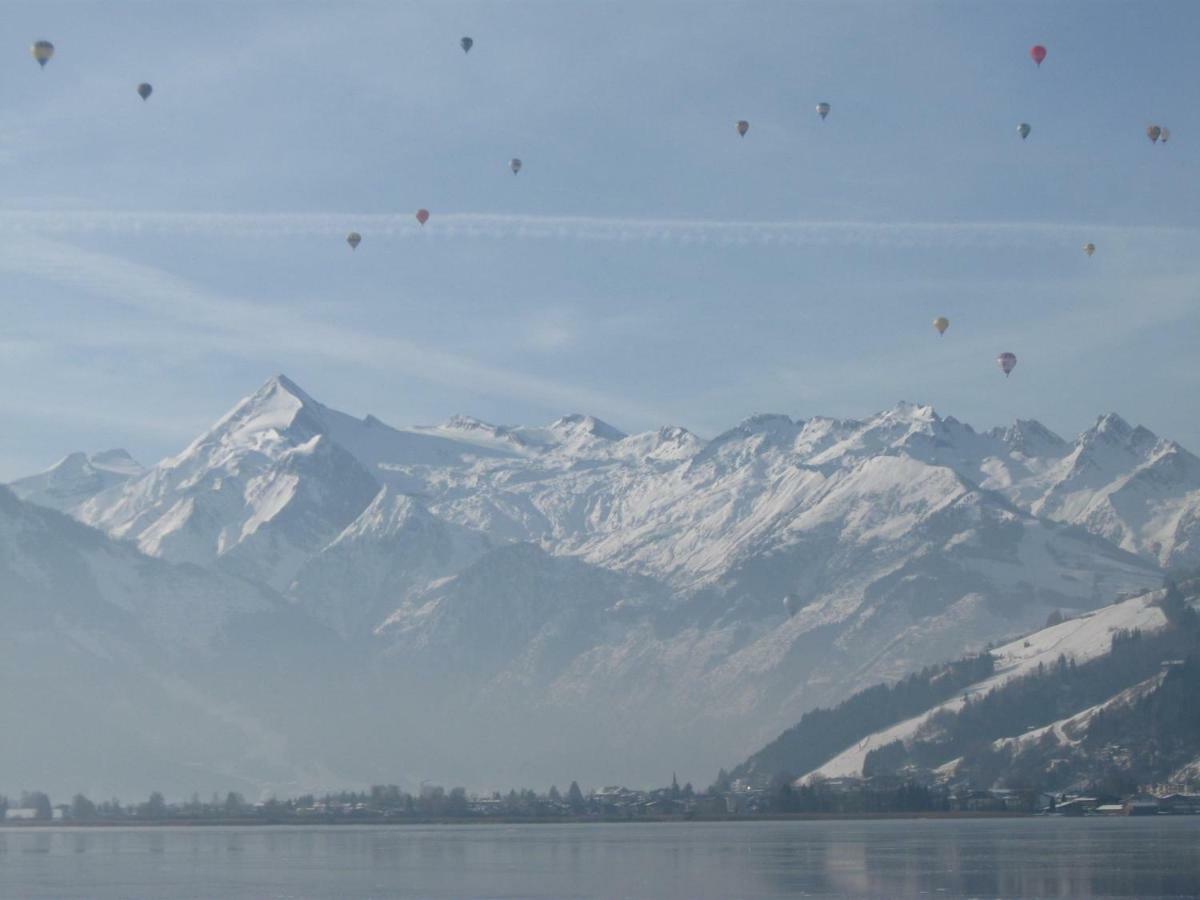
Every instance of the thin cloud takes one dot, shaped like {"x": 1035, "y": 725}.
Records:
{"x": 240, "y": 327}
{"x": 402, "y": 226}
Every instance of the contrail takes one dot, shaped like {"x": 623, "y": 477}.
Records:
{"x": 402, "y": 226}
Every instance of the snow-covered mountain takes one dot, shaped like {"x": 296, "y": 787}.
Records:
{"x": 633, "y": 585}
{"x": 77, "y": 478}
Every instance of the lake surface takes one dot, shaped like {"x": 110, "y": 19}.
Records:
{"x": 1044, "y": 857}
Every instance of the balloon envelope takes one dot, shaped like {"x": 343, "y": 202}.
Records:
{"x": 1007, "y": 362}
{"x": 823, "y": 109}
{"x": 466, "y": 43}
{"x": 1154, "y": 133}
{"x": 145, "y": 90}
{"x": 1023, "y": 130}
{"x": 422, "y": 216}
{"x": 1037, "y": 53}
{"x": 941, "y": 323}
{"x": 742, "y": 127}
{"x": 42, "y": 51}
{"x": 354, "y": 239}
{"x": 1163, "y": 135}
{"x": 515, "y": 164}
{"x": 1089, "y": 249}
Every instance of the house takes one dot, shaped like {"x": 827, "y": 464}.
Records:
{"x": 20, "y": 814}
{"x": 979, "y": 801}
{"x": 1076, "y": 806}
{"x": 1141, "y": 805}
{"x": 1110, "y": 809}
{"x": 1180, "y": 804}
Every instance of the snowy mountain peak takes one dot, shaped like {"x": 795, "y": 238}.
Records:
{"x": 1031, "y": 438}
{"x": 76, "y": 478}
{"x": 576, "y": 424}
{"x": 117, "y": 460}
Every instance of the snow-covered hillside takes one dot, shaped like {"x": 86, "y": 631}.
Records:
{"x": 640, "y": 578}
{"x": 1081, "y": 639}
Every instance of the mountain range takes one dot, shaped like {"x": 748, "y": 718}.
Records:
{"x": 499, "y": 605}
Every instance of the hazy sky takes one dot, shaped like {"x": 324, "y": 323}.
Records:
{"x": 159, "y": 260}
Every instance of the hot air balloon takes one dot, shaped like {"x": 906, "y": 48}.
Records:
{"x": 742, "y": 127}
{"x": 42, "y": 51}
{"x": 145, "y": 90}
{"x": 823, "y": 109}
{"x": 422, "y": 216}
{"x": 1163, "y": 135}
{"x": 1154, "y": 133}
{"x": 941, "y": 323}
{"x": 466, "y": 43}
{"x": 354, "y": 239}
{"x": 1037, "y": 53}
{"x": 1007, "y": 362}
{"x": 1089, "y": 248}
{"x": 1023, "y": 130}
{"x": 515, "y": 165}
{"x": 791, "y": 605}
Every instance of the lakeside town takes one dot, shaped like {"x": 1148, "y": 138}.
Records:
{"x": 885, "y": 796}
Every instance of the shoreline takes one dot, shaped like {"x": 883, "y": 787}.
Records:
{"x": 390, "y": 821}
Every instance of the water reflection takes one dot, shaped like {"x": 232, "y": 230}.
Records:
{"x": 937, "y": 858}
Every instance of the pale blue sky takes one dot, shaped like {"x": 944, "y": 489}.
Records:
{"x": 159, "y": 260}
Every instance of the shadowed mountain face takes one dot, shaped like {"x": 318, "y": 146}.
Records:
{"x": 510, "y": 605}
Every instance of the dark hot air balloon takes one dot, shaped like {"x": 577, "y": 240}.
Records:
{"x": 742, "y": 127}
{"x": 145, "y": 90}
{"x": 1007, "y": 362}
{"x": 823, "y": 109}
{"x": 43, "y": 52}
{"x": 1023, "y": 130}
{"x": 515, "y": 164}
{"x": 354, "y": 239}
{"x": 422, "y": 216}
{"x": 1089, "y": 248}
{"x": 466, "y": 43}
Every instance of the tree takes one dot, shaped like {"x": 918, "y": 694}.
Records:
{"x": 82, "y": 807}
{"x": 233, "y": 803}
{"x": 37, "y": 801}
{"x": 155, "y": 807}
{"x": 575, "y": 797}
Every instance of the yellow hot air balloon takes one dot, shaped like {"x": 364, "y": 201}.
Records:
{"x": 1089, "y": 248}
{"x": 941, "y": 323}
{"x": 42, "y": 51}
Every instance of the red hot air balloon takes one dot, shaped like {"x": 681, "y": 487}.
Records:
{"x": 1037, "y": 53}
{"x": 1007, "y": 362}
{"x": 422, "y": 216}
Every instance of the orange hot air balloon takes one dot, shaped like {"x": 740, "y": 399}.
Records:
{"x": 1037, "y": 53}
{"x": 422, "y": 216}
